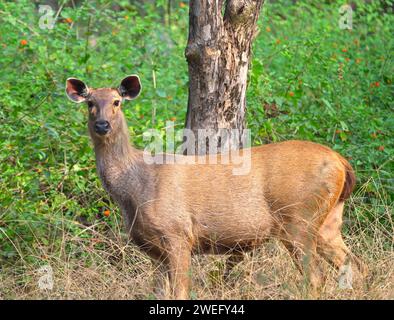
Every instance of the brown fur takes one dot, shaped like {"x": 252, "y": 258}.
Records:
{"x": 292, "y": 192}
{"x": 350, "y": 181}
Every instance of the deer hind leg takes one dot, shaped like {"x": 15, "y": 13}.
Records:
{"x": 300, "y": 239}
{"x": 304, "y": 257}
{"x": 332, "y": 247}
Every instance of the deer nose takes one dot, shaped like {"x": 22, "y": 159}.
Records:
{"x": 101, "y": 127}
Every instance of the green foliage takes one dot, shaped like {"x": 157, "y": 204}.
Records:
{"x": 325, "y": 84}
{"x": 321, "y": 83}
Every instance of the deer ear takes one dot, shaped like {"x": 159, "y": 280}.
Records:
{"x": 130, "y": 87}
{"x": 76, "y": 90}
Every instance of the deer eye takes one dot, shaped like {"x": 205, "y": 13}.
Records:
{"x": 116, "y": 103}
{"x": 90, "y": 104}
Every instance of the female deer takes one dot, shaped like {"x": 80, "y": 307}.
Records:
{"x": 295, "y": 191}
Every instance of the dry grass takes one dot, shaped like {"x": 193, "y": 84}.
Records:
{"x": 104, "y": 266}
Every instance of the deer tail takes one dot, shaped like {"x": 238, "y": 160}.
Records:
{"x": 350, "y": 180}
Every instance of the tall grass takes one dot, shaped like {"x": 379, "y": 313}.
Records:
{"x": 99, "y": 263}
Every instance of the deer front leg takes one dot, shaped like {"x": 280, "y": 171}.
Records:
{"x": 177, "y": 264}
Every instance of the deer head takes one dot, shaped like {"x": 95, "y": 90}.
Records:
{"x": 104, "y": 104}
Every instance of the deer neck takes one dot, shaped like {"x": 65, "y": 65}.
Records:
{"x": 120, "y": 166}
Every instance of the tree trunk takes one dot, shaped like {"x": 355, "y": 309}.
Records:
{"x": 218, "y": 54}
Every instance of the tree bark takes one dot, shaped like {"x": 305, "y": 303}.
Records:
{"x": 218, "y": 55}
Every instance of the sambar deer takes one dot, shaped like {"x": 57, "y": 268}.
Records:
{"x": 295, "y": 192}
